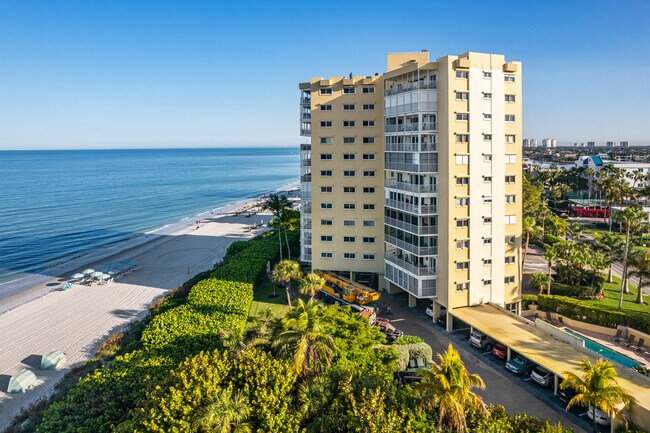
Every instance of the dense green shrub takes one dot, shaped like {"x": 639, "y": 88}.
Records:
{"x": 407, "y": 352}
{"x": 408, "y": 339}
{"x": 550, "y": 239}
{"x": 568, "y": 275}
{"x": 574, "y": 291}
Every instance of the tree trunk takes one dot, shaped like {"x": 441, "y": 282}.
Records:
{"x": 286, "y": 287}
{"x": 543, "y": 222}
{"x": 594, "y": 425}
{"x": 280, "y": 239}
{"x": 286, "y": 239}
{"x": 624, "y": 276}
{"x": 610, "y": 276}
{"x": 523, "y": 260}
{"x": 548, "y": 283}
{"x": 639, "y": 295}
{"x": 610, "y": 217}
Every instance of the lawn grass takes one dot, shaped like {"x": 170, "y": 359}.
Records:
{"x": 610, "y": 301}
{"x": 263, "y": 303}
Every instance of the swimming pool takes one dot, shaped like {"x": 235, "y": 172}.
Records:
{"x": 604, "y": 351}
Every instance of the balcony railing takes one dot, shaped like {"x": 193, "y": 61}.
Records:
{"x": 305, "y": 162}
{"x": 305, "y": 132}
{"x": 305, "y": 178}
{"x": 411, "y": 147}
{"x": 407, "y": 87}
{"x": 408, "y": 127}
{"x": 306, "y": 225}
{"x": 429, "y": 126}
{"x": 411, "y": 228}
{"x": 412, "y": 208}
{"x": 404, "y": 186}
{"x": 305, "y": 208}
{"x": 414, "y": 249}
{"x": 430, "y": 167}
{"x": 305, "y": 257}
{"x": 417, "y": 270}
{"x": 420, "y": 287}
{"x": 305, "y": 116}
{"x": 305, "y": 147}
{"x": 305, "y": 102}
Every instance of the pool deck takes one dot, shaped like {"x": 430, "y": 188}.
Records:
{"x": 603, "y": 340}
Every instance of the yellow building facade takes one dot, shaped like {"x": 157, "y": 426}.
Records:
{"x": 412, "y": 179}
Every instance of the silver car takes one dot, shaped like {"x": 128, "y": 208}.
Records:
{"x": 542, "y": 376}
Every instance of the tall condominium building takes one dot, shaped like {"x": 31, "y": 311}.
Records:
{"x": 412, "y": 179}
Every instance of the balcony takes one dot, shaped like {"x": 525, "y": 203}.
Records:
{"x": 410, "y": 127}
{"x": 419, "y": 287}
{"x": 411, "y": 147}
{"x": 410, "y": 267}
{"x": 305, "y": 178}
{"x": 412, "y": 208}
{"x": 305, "y": 132}
{"x": 305, "y": 257}
{"x": 413, "y": 249}
{"x": 305, "y": 162}
{"x": 305, "y": 102}
{"x": 407, "y": 87}
{"x": 305, "y": 147}
{"x": 430, "y": 167}
{"x": 305, "y": 208}
{"x": 305, "y": 116}
{"x": 306, "y": 225}
{"x": 404, "y": 186}
{"x": 411, "y": 228}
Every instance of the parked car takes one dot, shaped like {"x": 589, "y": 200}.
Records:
{"x": 481, "y": 340}
{"x": 429, "y": 311}
{"x": 500, "y": 350}
{"x": 601, "y": 417}
{"x": 542, "y": 376}
{"x": 566, "y": 394}
{"x": 519, "y": 365}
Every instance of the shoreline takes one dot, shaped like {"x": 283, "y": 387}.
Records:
{"x": 17, "y": 292}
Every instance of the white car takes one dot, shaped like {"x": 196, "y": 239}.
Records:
{"x": 429, "y": 311}
{"x": 601, "y": 418}
{"x": 542, "y": 376}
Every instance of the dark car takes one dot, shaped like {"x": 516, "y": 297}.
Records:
{"x": 500, "y": 350}
{"x": 520, "y": 365}
{"x": 565, "y": 394}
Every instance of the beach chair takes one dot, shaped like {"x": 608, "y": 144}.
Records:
{"x": 637, "y": 347}
{"x": 631, "y": 341}
{"x": 617, "y": 337}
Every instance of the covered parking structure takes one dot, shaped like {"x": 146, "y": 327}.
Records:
{"x": 529, "y": 340}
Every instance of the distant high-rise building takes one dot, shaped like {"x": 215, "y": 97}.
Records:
{"x": 625, "y": 144}
{"x": 611, "y": 144}
{"x": 526, "y": 142}
{"x": 551, "y": 142}
{"x": 591, "y": 144}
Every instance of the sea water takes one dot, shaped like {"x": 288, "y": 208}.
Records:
{"x": 57, "y": 206}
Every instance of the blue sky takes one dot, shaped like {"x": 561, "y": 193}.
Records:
{"x": 102, "y": 74}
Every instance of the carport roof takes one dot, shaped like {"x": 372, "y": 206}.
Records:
{"x": 541, "y": 348}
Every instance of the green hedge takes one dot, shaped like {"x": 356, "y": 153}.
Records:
{"x": 594, "y": 314}
{"x": 406, "y": 352}
{"x": 574, "y": 291}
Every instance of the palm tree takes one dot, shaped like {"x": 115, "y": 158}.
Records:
{"x": 636, "y": 176}
{"x": 277, "y": 204}
{"x": 288, "y": 220}
{"x": 226, "y": 412}
{"x": 448, "y": 388}
{"x": 529, "y": 226}
{"x": 310, "y": 284}
{"x": 283, "y": 272}
{"x": 551, "y": 254}
{"x": 303, "y": 340}
{"x": 630, "y": 217}
{"x": 575, "y": 230}
{"x": 640, "y": 262}
{"x": 597, "y": 388}
{"x": 610, "y": 183}
{"x": 612, "y": 246}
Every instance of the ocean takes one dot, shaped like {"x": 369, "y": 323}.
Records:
{"x": 58, "y": 206}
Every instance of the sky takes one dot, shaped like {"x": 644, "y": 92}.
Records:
{"x": 156, "y": 73}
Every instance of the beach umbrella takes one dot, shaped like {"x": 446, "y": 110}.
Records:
{"x": 105, "y": 277}
{"x": 88, "y": 271}
{"x": 53, "y": 360}
{"x": 97, "y": 274}
{"x": 77, "y": 276}
{"x": 22, "y": 381}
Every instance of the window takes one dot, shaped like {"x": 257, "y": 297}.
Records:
{"x": 487, "y": 158}
{"x": 349, "y": 156}
{"x": 487, "y": 220}
{"x": 461, "y": 266}
{"x": 368, "y": 189}
{"x": 487, "y": 261}
{"x": 510, "y": 219}
{"x": 509, "y": 78}
{"x": 511, "y": 239}
{"x": 462, "y": 117}
{"x": 368, "y": 223}
{"x": 349, "y": 206}
{"x": 326, "y": 255}
{"x": 462, "y": 245}
{"x": 368, "y": 106}
{"x": 349, "y": 239}
{"x": 368, "y": 123}
{"x": 487, "y": 200}
{"x": 325, "y": 205}
{"x": 368, "y": 206}
{"x": 462, "y": 159}
{"x": 348, "y": 90}
{"x": 510, "y": 260}
{"x": 368, "y": 240}
{"x": 348, "y": 123}
{"x": 326, "y": 124}
{"x": 511, "y": 198}
{"x": 487, "y": 116}
{"x": 349, "y": 223}
{"x": 349, "y": 173}
{"x": 348, "y": 107}
{"x": 462, "y": 181}
{"x": 326, "y": 238}
{"x": 510, "y": 98}
{"x": 509, "y": 280}
{"x": 349, "y": 256}
{"x": 368, "y": 257}
{"x": 326, "y": 173}
{"x": 487, "y": 137}
{"x": 325, "y": 156}
{"x": 487, "y": 179}
{"x": 326, "y": 91}
{"x": 487, "y": 74}
{"x": 462, "y": 96}
{"x": 510, "y": 179}
{"x": 368, "y": 140}
{"x": 326, "y": 140}
{"x": 368, "y": 173}
{"x": 510, "y": 117}
{"x": 369, "y": 156}
{"x": 462, "y": 286}
{"x": 326, "y": 107}
{"x": 349, "y": 140}
{"x": 350, "y": 189}
{"x": 487, "y": 282}
{"x": 462, "y": 223}
{"x": 369, "y": 89}
{"x": 462, "y": 74}
{"x": 487, "y": 241}
{"x": 487, "y": 95}
{"x": 462, "y": 138}
{"x": 326, "y": 222}
{"x": 511, "y": 159}
{"x": 325, "y": 189}
{"x": 462, "y": 201}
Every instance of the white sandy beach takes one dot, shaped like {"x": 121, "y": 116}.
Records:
{"x": 76, "y": 321}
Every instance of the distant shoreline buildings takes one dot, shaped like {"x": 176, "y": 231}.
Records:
{"x": 550, "y": 143}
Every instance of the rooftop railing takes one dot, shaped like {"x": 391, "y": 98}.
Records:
{"x": 407, "y": 87}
